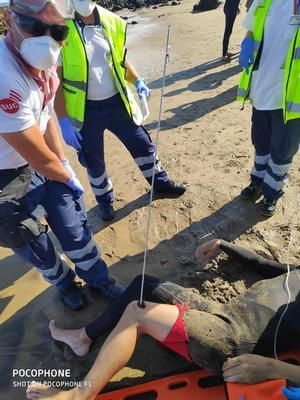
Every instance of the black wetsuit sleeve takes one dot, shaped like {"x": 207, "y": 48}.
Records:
{"x": 267, "y": 268}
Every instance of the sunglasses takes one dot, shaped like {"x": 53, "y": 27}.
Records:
{"x": 36, "y": 27}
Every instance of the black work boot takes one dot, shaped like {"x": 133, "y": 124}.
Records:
{"x": 73, "y": 297}
{"x": 107, "y": 211}
{"x": 268, "y": 207}
{"x": 251, "y": 192}
{"x": 170, "y": 187}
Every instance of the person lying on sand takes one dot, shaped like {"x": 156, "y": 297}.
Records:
{"x": 212, "y": 335}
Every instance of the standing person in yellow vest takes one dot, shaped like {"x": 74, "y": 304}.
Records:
{"x": 96, "y": 96}
{"x": 270, "y": 56}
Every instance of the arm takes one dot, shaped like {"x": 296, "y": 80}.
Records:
{"x": 59, "y": 102}
{"x": 31, "y": 145}
{"x": 133, "y": 77}
{"x": 52, "y": 138}
{"x": 252, "y": 368}
{"x": 70, "y": 134}
{"x": 131, "y": 74}
{"x": 267, "y": 268}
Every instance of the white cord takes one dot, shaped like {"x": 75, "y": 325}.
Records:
{"x": 147, "y": 229}
{"x": 287, "y": 289}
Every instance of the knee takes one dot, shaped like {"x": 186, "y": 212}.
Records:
{"x": 134, "y": 313}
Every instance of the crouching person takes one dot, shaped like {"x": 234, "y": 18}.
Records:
{"x": 33, "y": 168}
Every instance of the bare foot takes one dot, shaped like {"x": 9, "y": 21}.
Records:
{"x": 77, "y": 339}
{"x": 37, "y": 391}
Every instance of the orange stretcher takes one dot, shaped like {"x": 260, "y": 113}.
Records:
{"x": 202, "y": 385}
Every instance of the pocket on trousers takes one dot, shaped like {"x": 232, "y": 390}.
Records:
{"x": 80, "y": 212}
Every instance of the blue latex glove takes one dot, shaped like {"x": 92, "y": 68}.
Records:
{"x": 246, "y": 57}
{"x": 73, "y": 182}
{"x": 141, "y": 87}
{"x": 291, "y": 393}
{"x": 70, "y": 134}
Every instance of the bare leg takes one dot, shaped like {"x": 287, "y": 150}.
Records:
{"x": 155, "y": 320}
{"x": 77, "y": 339}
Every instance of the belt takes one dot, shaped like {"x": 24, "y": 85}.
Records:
{"x": 13, "y": 170}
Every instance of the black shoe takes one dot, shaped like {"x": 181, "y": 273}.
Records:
{"x": 107, "y": 211}
{"x": 73, "y": 297}
{"x": 251, "y": 192}
{"x": 170, "y": 187}
{"x": 268, "y": 207}
{"x": 111, "y": 289}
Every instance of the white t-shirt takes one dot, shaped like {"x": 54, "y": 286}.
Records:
{"x": 267, "y": 82}
{"x": 101, "y": 83}
{"x": 21, "y": 106}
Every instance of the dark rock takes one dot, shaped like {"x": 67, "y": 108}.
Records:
{"x": 134, "y": 22}
{"x": 206, "y": 5}
{"x": 174, "y": 3}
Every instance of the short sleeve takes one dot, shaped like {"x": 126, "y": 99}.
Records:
{"x": 16, "y": 109}
{"x": 248, "y": 22}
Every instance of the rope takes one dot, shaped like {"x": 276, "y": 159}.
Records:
{"x": 147, "y": 228}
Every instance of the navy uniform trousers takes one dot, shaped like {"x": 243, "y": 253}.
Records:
{"x": 111, "y": 114}
{"x": 275, "y": 145}
{"x": 67, "y": 219}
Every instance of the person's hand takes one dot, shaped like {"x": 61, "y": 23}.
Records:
{"x": 291, "y": 393}
{"x": 249, "y": 368}
{"x": 73, "y": 182}
{"x": 141, "y": 87}
{"x": 246, "y": 57}
{"x": 208, "y": 250}
{"x": 70, "y": 134}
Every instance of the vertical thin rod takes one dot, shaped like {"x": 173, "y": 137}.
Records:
{"x": 147, "y": 228}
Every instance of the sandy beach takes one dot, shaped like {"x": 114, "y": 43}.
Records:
{"x": 204, "y": 142}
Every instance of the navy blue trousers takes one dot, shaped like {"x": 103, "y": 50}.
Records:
{"x": 275, "y": 144}
{"x": 111, "y": 114}
{"x": 68, "y": 221}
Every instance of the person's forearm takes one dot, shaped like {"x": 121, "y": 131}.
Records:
{"x": 268, "y": 268}
{"x": 52, "y": 138}
{"x": 131, "y": 73}
{"x": 287, "y": 371}
{"x": 52, "y": 169}
{"x": 59, "y": 102}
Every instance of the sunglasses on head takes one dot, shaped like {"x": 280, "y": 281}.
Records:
{"x": 36, "y": 27}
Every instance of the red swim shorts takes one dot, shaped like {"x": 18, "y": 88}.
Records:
{"x": 177, "y": 339}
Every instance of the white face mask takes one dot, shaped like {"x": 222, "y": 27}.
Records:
{"x": 40, "y": 52}
{"x": 84, "y": 7}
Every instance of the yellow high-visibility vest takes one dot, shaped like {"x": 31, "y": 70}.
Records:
{"x": 291, "y": 83}
{"x": 75, "y": 68}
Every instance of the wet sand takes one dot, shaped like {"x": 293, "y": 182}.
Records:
{"x": 204, "y": 141}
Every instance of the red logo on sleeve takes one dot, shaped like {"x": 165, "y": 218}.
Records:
{"x": 10, "y": 105}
